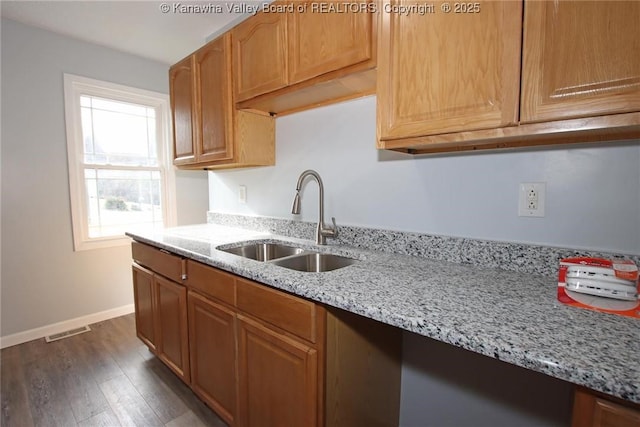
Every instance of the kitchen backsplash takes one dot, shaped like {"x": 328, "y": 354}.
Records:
{"x": 519, "y": 257}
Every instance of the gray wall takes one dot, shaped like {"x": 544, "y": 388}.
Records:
{"x": 593, "y": 191}
{"x": 43, "y": 280}
{"x": 593, "y": 201}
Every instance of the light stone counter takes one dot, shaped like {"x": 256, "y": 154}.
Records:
{"x": 512, "y": 316}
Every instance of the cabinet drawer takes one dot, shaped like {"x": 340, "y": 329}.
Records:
{"x": 166, "y": 264}
{"x": 285, "y": 311}
{"x": 212, "y": 282}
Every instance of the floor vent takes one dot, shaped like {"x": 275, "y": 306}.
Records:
{"x": 66, "y": 334}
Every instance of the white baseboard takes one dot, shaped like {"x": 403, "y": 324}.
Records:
{"x": 56, "y": 328}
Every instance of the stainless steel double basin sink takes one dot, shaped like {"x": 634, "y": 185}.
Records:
{"x": 291, "y": 257}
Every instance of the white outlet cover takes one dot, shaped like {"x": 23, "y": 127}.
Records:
{"x": 242, "y": 194}
{"x": 523, "y": 199}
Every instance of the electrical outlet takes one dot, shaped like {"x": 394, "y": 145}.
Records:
{"x": 242, "y": 194}
{"x": 531, "y": 199}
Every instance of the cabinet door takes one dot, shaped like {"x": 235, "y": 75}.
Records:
{"x": 580, "y": 59}
{"x": 144, "y": 301}
{"x": 214, "y": 139}
{"x": 278, "y": 378}
{"x": 260, "y": 55}
{"x": 448, "y": 72}
{"x": 590, "y": 410}
{"x": 182, "y": 111}
{"x": 212, "y": 343}
{"x": 171, "y": 314}
{"x": 323, "y": 41}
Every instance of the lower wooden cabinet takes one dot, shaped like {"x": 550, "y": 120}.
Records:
{"x": 592, "y": 409}
{"x": 161, "y": 318}
{"x": 259, "y": 356}
{"x": 144, "y": 302}
{"x": 278, "y": 378}
{"x": 172, "y": 332}
{"x": 255, "y": 351}
{"x": 212, "y": 344}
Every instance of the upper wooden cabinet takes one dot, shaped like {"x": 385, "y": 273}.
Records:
{"x": 182, "y": 111}
{"x": 212, "y": 89}
{"x": 323, "y": 42}
{"x": 455, "y": 81}
{"x": 260, "y": 55}
{"x": 580, "y": 59}
{"x": 208, "y": 132}
{"x": 449, "y": 72}
{"x": 303, "y": 54}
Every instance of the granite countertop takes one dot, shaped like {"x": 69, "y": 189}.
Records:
{"x": 506, "y": 315}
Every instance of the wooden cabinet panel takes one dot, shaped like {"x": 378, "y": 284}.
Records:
{"x": 212, "y": 282}
{"x": 285, "y": 311}
{"x": 171, "y": 318}
{"x": 218, "y": 137}
{"x": 182, "y": 111}
{"x": 143, "y": 299}
{"x": 170, "y": 266}
{"x": 310, "y": 55}
{"x": 449, "y": 72}
{"x": 580, "y": 59}
{"x": 260, "y": 55}
{"x": 262, "y": 357}
{"x": 363, "y": 370}
{"x": 278, "y": 378}
{"x": 161, "y": 314}
{"x": 214, "y": 135}
{"x": 212, "y": 341}
{"x": 321, "y": 42}
{"x": 594, "y": 410}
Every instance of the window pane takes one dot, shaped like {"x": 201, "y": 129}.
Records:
{"x": 118, "y": 133}
{"x": 87, "y": 131}
{"x": 118, "y": 107}
{"x": 121, "y": 200}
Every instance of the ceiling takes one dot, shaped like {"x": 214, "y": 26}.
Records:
{"x": 137, "y": 27}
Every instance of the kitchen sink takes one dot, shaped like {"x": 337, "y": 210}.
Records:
{"x": 315, "y": 262}
{"x": 264, "y": 251}
{"x": 291, "y": 257}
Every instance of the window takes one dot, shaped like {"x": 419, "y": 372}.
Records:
{"x": 120, "y": 178}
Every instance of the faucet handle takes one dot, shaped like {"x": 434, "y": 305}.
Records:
{"x": 331, "y": 231}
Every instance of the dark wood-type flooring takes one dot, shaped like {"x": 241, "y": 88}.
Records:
{"x": 105, "y": 377}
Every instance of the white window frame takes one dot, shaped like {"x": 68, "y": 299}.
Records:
{"x": 76, "y": 86}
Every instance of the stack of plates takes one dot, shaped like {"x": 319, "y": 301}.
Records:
{"x": 600, "y": 281}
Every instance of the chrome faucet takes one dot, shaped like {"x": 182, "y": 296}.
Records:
{"x": 322, "y": 231}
